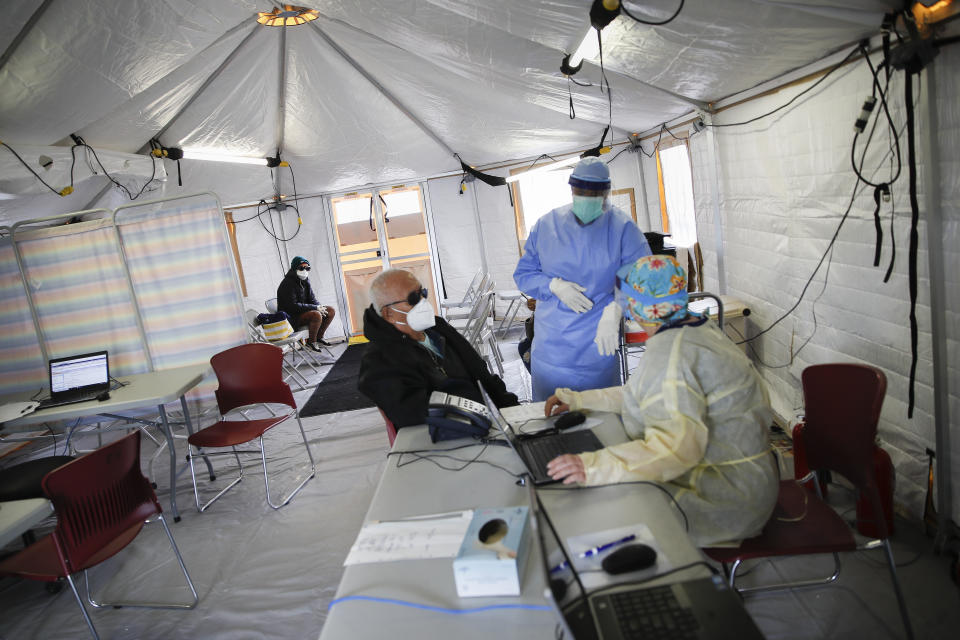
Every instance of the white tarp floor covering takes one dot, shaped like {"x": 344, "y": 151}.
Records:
{"x": 263, "y": 573}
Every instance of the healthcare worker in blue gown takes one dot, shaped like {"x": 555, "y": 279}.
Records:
{"x": 569, "y": 265}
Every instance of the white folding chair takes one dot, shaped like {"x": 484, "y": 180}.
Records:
{"x": 289, "y": 345}
{"x": 468, "y": 295}
{"x": 464, "y": 310}
{"x": 271, "y": 306}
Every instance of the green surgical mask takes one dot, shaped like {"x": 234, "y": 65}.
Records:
{"x": 587, "y": 208}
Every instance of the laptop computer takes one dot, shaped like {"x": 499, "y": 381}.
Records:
{"x": 696, "y": 609}
{"x": 537, "y": 449}
{"x": 77, "y": 379}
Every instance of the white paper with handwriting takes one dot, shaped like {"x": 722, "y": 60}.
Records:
{"x": 415, "y": 538}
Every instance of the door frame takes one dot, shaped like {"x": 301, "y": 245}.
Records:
{"x": 332, "y": 238}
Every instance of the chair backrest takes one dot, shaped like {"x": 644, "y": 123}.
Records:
{"x": 97, "y": 497}
{"x": 701, "y": 295}
{"x": 250, "y": 374}
{"x": 478, "y": 317}
{"x": 842, "y": 404}
{"x": 271, "y": 305}
{"x": 391, "y": 430}
{"x": 471, "y": 291}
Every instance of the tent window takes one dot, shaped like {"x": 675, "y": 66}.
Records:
{"x": 676, "y": 194}
{"x": 536, "y": 195}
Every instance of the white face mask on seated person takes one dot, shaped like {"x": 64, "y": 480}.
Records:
{"x": 302, "y": 274}
{"x": 420, "y": 317}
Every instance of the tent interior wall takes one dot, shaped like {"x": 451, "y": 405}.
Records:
{"x": 479, "y": 77}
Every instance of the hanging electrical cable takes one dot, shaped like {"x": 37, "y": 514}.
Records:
{"x": 79, "y": 142}
{"x": 655, "y": 23}
{"x": 860, "y": 185}
{"x": 62, "y": 192}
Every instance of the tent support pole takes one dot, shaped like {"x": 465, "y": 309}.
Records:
{"x": 714, "y": 157}
{"x": 938, "y": 313}
{"x": 643, "y": 190}
{"x": 476, "y": 217}
{"x": 206, "y": 83}
{"x": 281, "y": 95}
{"x": 27, "y": 28}
{"x": 389, "y": 96}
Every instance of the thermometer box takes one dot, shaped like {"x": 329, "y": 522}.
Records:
{"x": 493, "y": 553}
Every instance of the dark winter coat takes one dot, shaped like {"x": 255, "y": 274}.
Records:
{"x": 399, "y": 374}
{"x": 295, "y": 296}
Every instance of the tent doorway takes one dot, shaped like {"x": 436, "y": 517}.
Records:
{"x": 376, "y": 230}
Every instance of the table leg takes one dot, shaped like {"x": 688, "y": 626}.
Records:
{"x": 189, "y": 425}
{"x": 173, "y": 463}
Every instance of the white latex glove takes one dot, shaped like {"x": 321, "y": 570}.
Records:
{"x": 608, "y": 330}
{"x": 571, "y": 294}
{"x": 322, "y": 310}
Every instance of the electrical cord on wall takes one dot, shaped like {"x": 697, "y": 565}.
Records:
{"x": 859, "y": 187}
{"x": 822, "y": 78}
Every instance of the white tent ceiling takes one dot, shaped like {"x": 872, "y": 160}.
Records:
{"x": 481, "y": 77}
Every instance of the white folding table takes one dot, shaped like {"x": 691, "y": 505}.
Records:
{"x": 139, "y": 391}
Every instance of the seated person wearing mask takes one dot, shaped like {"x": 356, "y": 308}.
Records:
{"x": 697, "y": 413}
{"x": 295, "y": 298}
{"x": 413, "y": 353}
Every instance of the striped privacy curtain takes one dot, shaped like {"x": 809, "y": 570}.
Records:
{"x": 22, "y": 367}
{"x": 77, "y": 282}
{"x": 181, "y": 285}
{"x": 183, "y": 279}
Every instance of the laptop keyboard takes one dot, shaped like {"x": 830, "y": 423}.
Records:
{"x": 653, "y": 613}
{"x": 546, "y": 448}
{"x": 46, "y": 403}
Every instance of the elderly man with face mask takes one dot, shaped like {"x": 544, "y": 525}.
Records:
{"x": 697, "y": 413}
{"x": 412, "y": 353}
{"x": 569, "y": 265}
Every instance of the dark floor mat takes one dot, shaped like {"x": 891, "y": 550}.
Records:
{"x": 338, "y": 390}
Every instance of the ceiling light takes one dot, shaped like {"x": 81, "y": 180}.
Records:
{"x": 589, "y": 47}
{"x": 173, "y": 153}
{"x": 289, "y": 16}
{"x": 191, "y": 154}
{"x": 566, "y": 162}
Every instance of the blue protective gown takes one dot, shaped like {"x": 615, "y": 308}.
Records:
{"x": 563, "y": 352}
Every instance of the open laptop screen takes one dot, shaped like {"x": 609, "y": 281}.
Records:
{"x": 88, "y": 371}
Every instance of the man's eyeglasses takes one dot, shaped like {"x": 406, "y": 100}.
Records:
{"x": 303, "y": 267}
{"x": 412, "y": 298}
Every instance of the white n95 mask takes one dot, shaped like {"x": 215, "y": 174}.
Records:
{"x": 302, "y": 274}
{"x": 420, "y": 317}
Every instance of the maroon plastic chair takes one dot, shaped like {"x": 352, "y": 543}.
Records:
{"x": 248, "y": 375}
{"x": 842, "y": 407}
{"x": 102, "y": 501}
{"x": 391, "y": 430}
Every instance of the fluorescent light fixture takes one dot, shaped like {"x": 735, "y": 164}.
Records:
{"x": 192, "y": 154}
{"x": 566, "y": 162}
{"x": 588, "y": 48}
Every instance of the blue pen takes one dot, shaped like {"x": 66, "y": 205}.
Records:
{"x": 603, "y": 547}
{"x": 594, "y": 551}
{"x": 560, "y": 567}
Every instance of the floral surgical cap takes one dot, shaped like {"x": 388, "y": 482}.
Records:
{"x": 655, "y": 289}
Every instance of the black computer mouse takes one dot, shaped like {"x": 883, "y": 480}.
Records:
{"x": 631, "y": 557}
{"x": 568, "y": 420}
{"x": 559, "y": 588}
{"x": 103, "y": 396}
